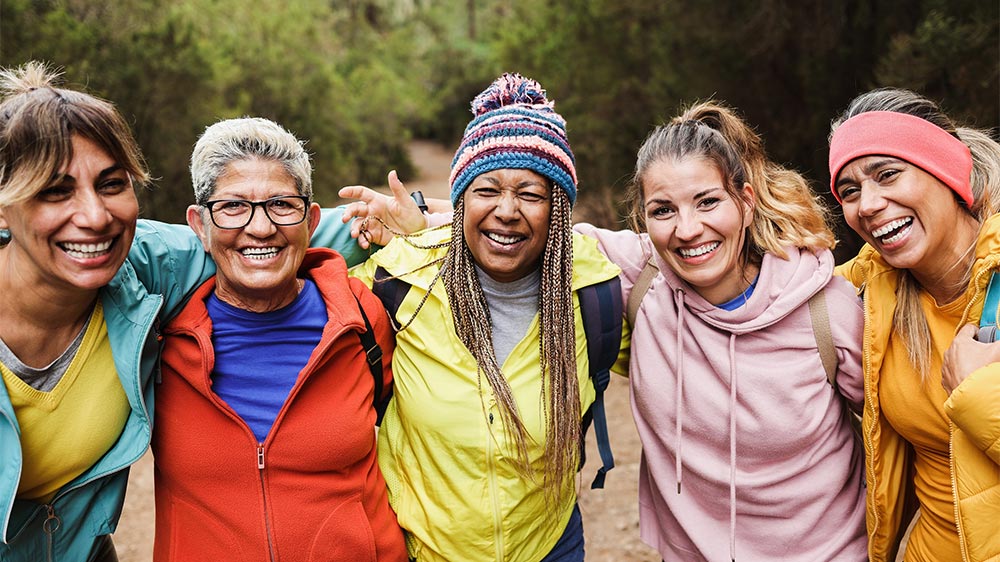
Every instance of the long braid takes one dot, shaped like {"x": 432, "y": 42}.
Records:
{"x": 473, "y": 326}
{"x": 557, "y": 346}
{"x": 516, "y": 127}
{"x": 558, "y": 351}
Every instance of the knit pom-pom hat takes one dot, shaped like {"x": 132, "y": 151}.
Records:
{"x": 514, "y": 127}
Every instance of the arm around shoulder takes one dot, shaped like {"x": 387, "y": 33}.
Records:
{"x": 334, "y": 234}
{"x": 169, "y": 260}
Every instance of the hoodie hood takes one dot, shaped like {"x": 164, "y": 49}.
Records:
{"x": 782, "y": 287}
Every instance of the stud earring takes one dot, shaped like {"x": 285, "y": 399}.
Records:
{"x": 5, "y": 237}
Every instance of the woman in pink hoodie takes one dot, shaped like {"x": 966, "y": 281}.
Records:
{"x": 748, "y": 451}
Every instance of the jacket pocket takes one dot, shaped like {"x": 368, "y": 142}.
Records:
{"x": 194, "y": 535}
{"x": 345, "y": 536}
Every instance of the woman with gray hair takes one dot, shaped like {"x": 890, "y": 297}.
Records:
{"x": 84, "y": 288}
{"x": 265, "y": 439}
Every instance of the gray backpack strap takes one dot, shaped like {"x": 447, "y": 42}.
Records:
{"x": 642, "y": 284}
{"x": 824, "y": 337}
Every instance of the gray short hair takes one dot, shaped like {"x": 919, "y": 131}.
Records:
{"x": 247, "y": 138}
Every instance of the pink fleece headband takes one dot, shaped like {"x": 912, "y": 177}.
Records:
{"x": 905, "y": 136}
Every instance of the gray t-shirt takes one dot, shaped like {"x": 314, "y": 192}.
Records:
{"x": 46, "y": 378}
{"x": 512, "y": 308}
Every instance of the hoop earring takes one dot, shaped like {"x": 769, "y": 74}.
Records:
{"x": 5, "y": 237}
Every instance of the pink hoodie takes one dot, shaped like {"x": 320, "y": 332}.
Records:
{"x": 746, "y": 452}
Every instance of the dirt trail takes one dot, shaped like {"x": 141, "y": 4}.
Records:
{"x": 610, "y": 516}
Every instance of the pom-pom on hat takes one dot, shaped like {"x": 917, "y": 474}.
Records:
{"x": 515, "y": 127}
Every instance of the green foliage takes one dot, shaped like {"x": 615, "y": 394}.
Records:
{"x": 952, "y": 56}
{"x": 360, "y": 78}
{"x": 174, "y": 68}
{"x": 618, "y": 68}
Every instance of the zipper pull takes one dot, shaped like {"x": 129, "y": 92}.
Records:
{"x": 50, "y": 526}
{"x": 491, "y": 418}
{"x": 52, "y": 521}
{"x": 260, "y": 456}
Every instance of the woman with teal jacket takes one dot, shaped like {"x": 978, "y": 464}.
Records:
{"x": 84, "y": 287}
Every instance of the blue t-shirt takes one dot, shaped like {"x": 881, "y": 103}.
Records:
{"x": 258, "y": 356}
{"x": 742, "y": 298}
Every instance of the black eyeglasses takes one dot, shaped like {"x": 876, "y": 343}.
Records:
{"x": 284, "y": 210}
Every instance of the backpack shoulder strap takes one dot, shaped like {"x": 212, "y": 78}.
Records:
{"x": 642, "y": 284}
{"x": 820, "y": 317}
{"x": 824, "y": 336}
{"x": 988, "y": 320}
{"x": 601, "y": 312}
{"x": 390, "y": 290}
{"x": 373, "y": 356}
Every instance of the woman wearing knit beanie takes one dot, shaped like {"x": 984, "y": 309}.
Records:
{"x": 924, "y": 203}
{"x": 481, "y": 441}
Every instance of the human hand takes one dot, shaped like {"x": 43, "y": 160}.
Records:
{"x": 965, "y": 355}
{"x": 377, "y": 217}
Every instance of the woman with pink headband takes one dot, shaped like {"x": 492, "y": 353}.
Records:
{"x": 913, "y": 190}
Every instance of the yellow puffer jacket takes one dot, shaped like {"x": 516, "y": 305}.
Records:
{"x": 442, "y": 448}
{"x": 973, "y": 408}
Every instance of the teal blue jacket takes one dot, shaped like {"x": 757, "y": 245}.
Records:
{"x": 166, "y": 263}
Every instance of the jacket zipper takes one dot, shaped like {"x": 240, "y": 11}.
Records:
{"x": 494, "y": 494}
{"x": 951, "y": 427}
{"x": 869, "y": 405}
{"x": 50, "y": 525}
{"x": 954, "y": 489}
{"x": 263, "y": 494}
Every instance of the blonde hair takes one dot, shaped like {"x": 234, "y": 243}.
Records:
{"x": 909, "y": 320}
{"x": 785, "y": 211}
{"x": 985, "y": 177}
{"x": 37, "y": 124}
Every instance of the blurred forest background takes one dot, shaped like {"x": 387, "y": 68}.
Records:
{"x": 361, "y": 78}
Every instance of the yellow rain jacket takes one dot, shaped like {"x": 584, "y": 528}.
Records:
{"x": 973, "y": 410}
{"x": 448, "y": 462}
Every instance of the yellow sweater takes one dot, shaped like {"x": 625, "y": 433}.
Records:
{"x": 66, "y": 430}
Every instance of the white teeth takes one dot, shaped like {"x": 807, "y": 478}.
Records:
{"x": 259, "y": 253}
{"x": 889, "y": 227}
{"x": 86, "y": 250}
{"x": 700, "y": 250}
{"x": 501, "y": 239}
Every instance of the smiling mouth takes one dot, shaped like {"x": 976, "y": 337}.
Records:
{"x": 504, "y": 240}
{"x": 889, "y": 233}
{"x": 699, "y": 251}
{"x": 86, "y": 251}
{"x": 260, "y": 253}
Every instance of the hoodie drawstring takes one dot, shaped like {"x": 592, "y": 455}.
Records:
{"x": 679, "y": 302}
{"x": 732, "y": 447}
